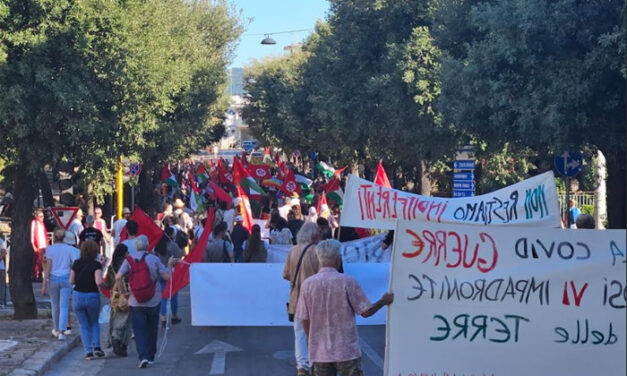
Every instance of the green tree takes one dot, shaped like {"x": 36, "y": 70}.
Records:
{"x": 549, "y": 75}
{"x": 88, "y": 81}
{"x": 362, "y": 89}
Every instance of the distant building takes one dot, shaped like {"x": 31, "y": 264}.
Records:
{"x": 236, "y": 81}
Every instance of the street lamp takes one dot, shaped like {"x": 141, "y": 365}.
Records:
{"x": 267, "y": 40}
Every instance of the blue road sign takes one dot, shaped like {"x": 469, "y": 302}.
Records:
{"x": 464, "y": 185}
{"x": 463, "y": 176}
{"x": 568, "y": 163}
{"x": 464, "y": 165}
{"x": 463, "y": 193}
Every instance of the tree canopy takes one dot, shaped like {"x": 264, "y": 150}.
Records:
{"x": 409, "y": 81}
{"x": 88, "y": 81}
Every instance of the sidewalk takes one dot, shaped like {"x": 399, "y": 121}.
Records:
{"x": 27, "y": 347}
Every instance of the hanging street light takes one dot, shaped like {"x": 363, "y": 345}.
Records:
{"x": 267, "y": 40}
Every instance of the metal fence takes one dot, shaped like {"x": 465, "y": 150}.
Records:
{"x": 580, "y": 198}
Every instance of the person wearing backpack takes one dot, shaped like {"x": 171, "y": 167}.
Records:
{"x": 144, "y": 270}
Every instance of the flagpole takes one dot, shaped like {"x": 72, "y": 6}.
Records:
{"x": 120, "y": 188}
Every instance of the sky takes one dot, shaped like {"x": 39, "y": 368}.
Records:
{"x": 270, "y": 16}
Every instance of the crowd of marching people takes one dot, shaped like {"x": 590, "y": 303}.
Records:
{"x": 77, "y": 266}
{"x": 211, "y": 216}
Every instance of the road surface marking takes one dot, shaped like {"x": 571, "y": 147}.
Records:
{"x": 371, "y": 353}
{"x": 219, "y": 350}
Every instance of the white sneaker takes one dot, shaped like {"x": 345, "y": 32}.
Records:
{"x": 67, "y": 332}
{"x": 61, "y": 337}
{"x": 55, "y": 333}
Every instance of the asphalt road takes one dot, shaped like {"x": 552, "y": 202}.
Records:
{"x": 233, "y": 351}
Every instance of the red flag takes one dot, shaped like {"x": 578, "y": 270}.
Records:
{"x": 322, "y": 200}
{"x": 220, "y": 193}
{"x": 180, "y": 276}
{"x": 239, "y": 172}
{"x": 382, "y": 178}
{"x": 290, "y": 185}
{"x": 260, "y": 172}
{"x": 146, "y": 227}
{"x": 245, "y": 210}
{"x": 224, "y": 174}
{"x": 244, "y": 160}
{"x": 165, "y": 172}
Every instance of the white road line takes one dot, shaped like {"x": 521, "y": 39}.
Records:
{"x": 371, "y": 353}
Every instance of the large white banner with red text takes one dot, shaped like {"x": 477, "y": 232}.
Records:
{"x": 532, "y": 202}
{"x": 506, "y": 301}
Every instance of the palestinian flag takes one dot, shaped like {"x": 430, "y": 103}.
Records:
{"x": 242, "y": 178}
{"x": 201, "y": 172}
{"x": 290, "y": 185}
{"x": 195, "y": 200}
{"x": 259, "y": 172}
{"x": 334, "y": 192}
{"x": 304, "y": 182}
{"x": 168, "y": 177}
{"x": 273, "y": 182}
{"x": 245, "y": 210}
{"x": 382, "y": 178}
{"x": 328, "y": 170}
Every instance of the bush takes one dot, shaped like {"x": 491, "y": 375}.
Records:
{"x": 587, "y": 209}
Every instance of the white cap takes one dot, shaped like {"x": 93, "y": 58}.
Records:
{"x": 238, "y": 218}
{"x": 312, "y": 210}
{"x": 324, "y": 207}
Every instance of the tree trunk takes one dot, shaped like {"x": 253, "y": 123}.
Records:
{"x": 90, "y": 198}
{"x": 616, "y": 183}
{"x": 21, "y": 264}
{"x": 600, "y": 191}
{"x": 146, "y": 199}
{"x": 425, "y": 178}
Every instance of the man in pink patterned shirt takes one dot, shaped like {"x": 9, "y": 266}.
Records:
{"x": 327, "y": 305}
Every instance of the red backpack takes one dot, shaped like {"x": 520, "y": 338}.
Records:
{"x": 139, "y": 279}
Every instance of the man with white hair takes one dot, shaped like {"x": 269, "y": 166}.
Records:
{"x": 327, "y": 306}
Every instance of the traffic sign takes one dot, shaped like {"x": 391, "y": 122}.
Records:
{"x": 568, "y": 163}
{"x": 465, "y": 154}
{"x": 460, "y": 176}
{"x": 464, "y": 185}
{"x": 135, "y": 169}
{"x": 458, "y": 193}
{"x": 464, "y": 165}
{"x": 64, "y": 216}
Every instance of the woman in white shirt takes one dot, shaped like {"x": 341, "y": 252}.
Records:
{"x": 59, "y": 258}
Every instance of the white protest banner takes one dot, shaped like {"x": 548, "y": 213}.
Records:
{"x": 506, "y": 301}
{"x": 265, "y": 232}
{"x": 255, "y": 294}
{"x": 360, "y": 250}
{"x": 532, "y": 202}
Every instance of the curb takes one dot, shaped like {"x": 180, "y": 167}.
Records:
{"x": 42, "y": 360}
